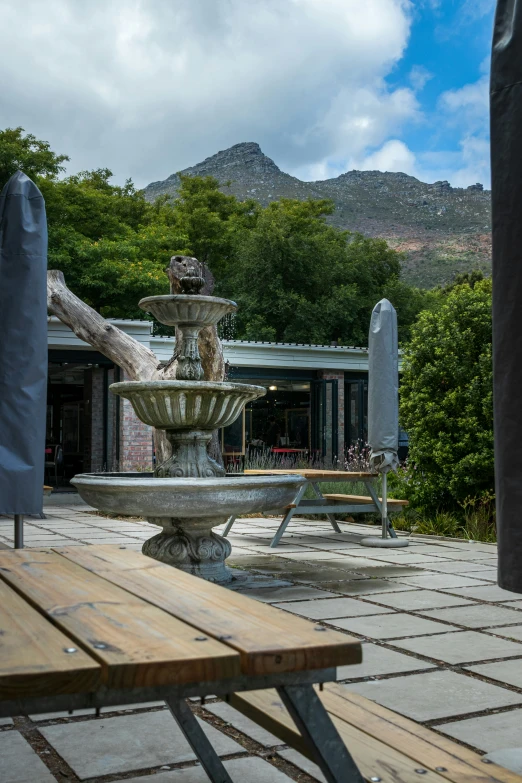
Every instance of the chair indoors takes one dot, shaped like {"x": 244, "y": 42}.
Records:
{"x": 55, "y": 463}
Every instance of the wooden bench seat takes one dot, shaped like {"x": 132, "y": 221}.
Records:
{"x": 359, "y": 500}
{"x": 383, "y": 744}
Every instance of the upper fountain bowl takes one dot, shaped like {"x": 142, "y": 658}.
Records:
{"x": 187, "y": 309}
{"x": 187, "y": 405}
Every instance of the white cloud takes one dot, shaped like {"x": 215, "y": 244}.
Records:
{"x": 468, "y": 105}
{"x": 419, "y": 77}
{"x": 467, "y": 110}
{"x": 148, "y": 88}
{"x": 394, "y": 155}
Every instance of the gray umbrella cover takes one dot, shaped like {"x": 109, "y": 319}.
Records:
{"x": 506, "y": 191}
{"x": 383, "y": 388}
{"x": 23, "y": 346}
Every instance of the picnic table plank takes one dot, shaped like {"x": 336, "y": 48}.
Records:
{"x": 33, "y": 657}
{"x": 269, "y": 640}
{"x": 421, "y": 743}
{"x": 317, "y": 475}
{"x": 136, "y": 643}
{"x": 360, "y": 499}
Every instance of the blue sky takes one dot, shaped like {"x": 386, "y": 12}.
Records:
{"x": 324, "y": 86}
{"x": 449, "y": 47}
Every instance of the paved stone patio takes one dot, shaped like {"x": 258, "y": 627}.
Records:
{"x": 442, "y": 645}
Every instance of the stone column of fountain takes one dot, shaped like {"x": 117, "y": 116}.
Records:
{"x": 189, "y": 493}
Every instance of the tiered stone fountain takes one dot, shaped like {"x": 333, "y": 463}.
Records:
{"x": 189, "y": 493}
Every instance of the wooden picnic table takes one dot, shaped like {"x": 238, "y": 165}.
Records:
{"x": 96, "y": 626}
{"x": 325, "y": 504}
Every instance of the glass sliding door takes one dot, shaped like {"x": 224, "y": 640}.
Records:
{"x": 325, "y": 419}
{"x": 356, "y": 419}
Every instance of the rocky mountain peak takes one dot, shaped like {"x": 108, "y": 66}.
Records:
{"x": 247, "y": 155}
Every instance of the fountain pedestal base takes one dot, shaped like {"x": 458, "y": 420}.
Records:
{"x": 191, "y": 545}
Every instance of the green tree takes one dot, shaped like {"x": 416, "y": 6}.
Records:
{"x": 447, "y": 400}
{"x": 20, "y": 150}
{"x": 110, "y": 243}
{"x": 298, "y": 279}
{"x": 211, "y": 220}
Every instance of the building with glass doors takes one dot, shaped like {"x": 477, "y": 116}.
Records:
{"x": 316, "y": 402}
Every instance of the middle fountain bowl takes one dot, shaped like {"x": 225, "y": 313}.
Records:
{"x": 187, "y": 405}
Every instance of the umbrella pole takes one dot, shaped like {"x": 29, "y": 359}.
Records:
{"x": 18, "y": 531}
{"x": 384, "y": 505}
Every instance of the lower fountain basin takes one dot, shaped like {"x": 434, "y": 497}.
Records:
{"x": 140, "y": 494}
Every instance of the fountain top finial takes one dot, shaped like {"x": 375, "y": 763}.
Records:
{"x": 192, "y": 282}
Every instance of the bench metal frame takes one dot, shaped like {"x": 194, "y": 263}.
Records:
{"x": 295, "y": 690}
{"x": 321, "y": 505}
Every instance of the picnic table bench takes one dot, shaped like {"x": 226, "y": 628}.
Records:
{"x": 96, "y": 626}
{"x": 385, "y": 746}
{"x": 328, "y": 504}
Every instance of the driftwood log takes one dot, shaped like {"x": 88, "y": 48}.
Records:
{"x": 138, "y": 362}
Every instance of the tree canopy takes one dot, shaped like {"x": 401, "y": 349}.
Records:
{"x": 295, "y": 277}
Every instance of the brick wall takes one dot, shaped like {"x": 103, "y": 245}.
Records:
{"x": 135, "y": 439}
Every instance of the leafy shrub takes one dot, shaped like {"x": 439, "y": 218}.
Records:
{"x": 479, "y": 518}
{"x": 447, "y": 402}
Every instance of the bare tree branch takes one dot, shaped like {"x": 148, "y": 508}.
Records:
{"x": 138, "y": 362}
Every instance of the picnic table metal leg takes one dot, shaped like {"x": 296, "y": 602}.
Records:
{"x": 228, "y": 526}
{"x": 198, "y": 741}
{"x": 317, "y": 729}
{"x": 373, "y": 493}
{"x": 282, "y": 527}
{"x": 331, "y": 517}
{"x": 286, "y": 519}
{"x": 18, "y": 531}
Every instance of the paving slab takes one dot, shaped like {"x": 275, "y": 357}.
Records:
{"x": 302, "y": 763}
{"x": 509, "y": 672}
{"x": 459, "y": 566}
{"x": 475, "y": 615}
{"x": 322, "y": 573}
{"x": 6, "y": 721}
{"x": 430, "y": 580}
{"x": 243, "y": 724}
{"x": 462, "y": 647}
{"x": 390, "y": 626}
{"x": 417, "y": 600}
{"x": 243, "y": 581}
{"x": 19, "y": 763}
{"x": 436, "y": 694}
{"x": 510, "y": 632}
{"x": 312, "y": 555}
{"x": 465, "y": 554}
{"x": 509, "y": 758}
{"x": 383, "y": 571}
{"x": 293, "y": 593}
{"x": 488, "y": 574}
{"x": 248, "y": 770}
{"x": 378, "y": 661}
{"x": 491, "y": 593}
{"x": 488, "y": 732}
{"x": 130, "y": 742}
{"x": 327, "y": 608}
{"x": 91, "y": 711}
{"x": 363, "y": 586}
